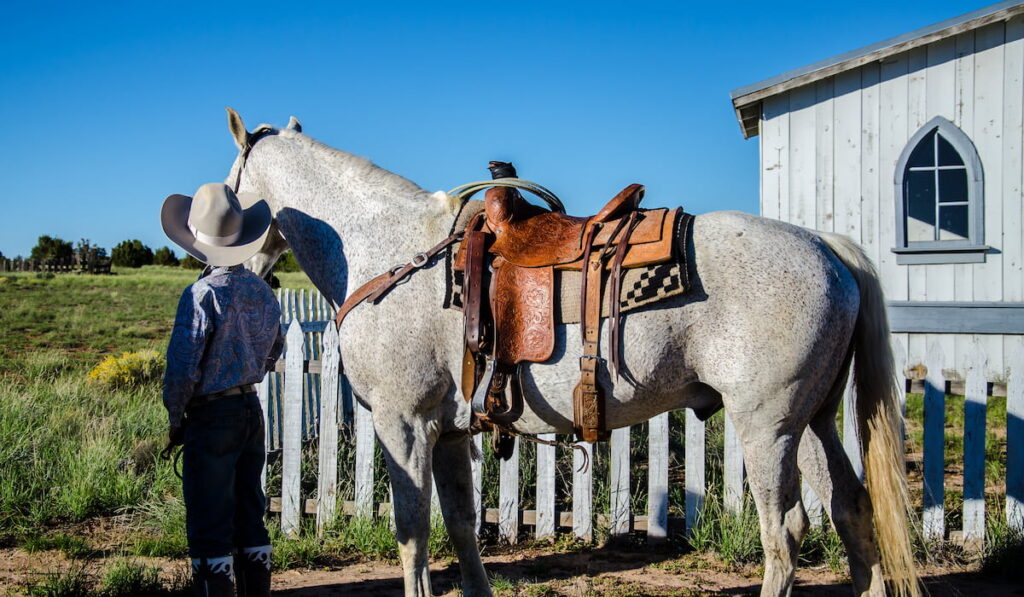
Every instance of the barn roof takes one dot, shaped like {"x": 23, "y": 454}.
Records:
{"x": 747, "y": 100}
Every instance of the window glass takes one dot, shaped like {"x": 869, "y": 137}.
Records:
{"x": 953, "y": 222}
{"x": 920, "y": 196}
{"x": 924, "y": 154}
{"x": 948, "y": 156}
{"x": 952, "y": 185}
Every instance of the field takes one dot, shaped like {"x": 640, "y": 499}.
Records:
{"x": 87, "y": 507}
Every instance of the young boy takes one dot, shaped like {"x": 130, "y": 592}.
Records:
{"x": 227, "y": 335}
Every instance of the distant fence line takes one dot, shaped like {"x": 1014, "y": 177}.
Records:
{"x": 99, "y": 265}
{"x": 306, "y": 398}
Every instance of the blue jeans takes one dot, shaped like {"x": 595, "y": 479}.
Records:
{"x": 222, "y": 459}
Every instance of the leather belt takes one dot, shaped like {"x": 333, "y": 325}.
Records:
{"x": 235, "y": 391}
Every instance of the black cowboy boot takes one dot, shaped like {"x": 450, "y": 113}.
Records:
{"x": 252, "y": 571}
{"x": 213, "y": 577}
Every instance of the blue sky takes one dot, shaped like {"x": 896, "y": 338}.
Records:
{"x": 108, "y": 109}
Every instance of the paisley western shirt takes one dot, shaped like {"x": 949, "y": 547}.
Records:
{"x": 227, "y": 333}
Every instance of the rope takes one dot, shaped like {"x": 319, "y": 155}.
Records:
{"x": 577, "y": 445}
{"x": 465, "y": 192}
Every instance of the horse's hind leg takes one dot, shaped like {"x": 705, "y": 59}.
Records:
{"x": 828, "y": 470}
{"x": 407, "y": 444}
{"x": 454, "y": 480}
{"x": 770, "y": 453}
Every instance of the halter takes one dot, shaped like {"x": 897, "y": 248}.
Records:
{"x": 250, "y": 140}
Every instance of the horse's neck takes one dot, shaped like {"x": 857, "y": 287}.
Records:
{"x": 380, "y": 218}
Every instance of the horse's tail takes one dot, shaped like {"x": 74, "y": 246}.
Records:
{"x": 878, "y": 418}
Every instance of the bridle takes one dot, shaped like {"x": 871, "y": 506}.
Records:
{"x": 250, "y": 140}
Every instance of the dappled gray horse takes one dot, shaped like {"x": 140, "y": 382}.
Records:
{"x": 769, "y": 329}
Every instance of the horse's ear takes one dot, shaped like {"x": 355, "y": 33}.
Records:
{"x": 294, "y": 124}
{"x": 237, "y": 128}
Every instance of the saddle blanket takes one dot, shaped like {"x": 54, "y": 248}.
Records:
{"x": 641, "y": 286}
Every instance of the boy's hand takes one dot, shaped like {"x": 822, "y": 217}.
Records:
{"x": 176, "y": 436}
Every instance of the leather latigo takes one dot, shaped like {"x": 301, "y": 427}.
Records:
{"x": 524, "y": 313}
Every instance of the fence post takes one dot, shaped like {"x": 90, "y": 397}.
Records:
{"x": 508, "y": 497}
{"x": 975, "y": 394}
{"x": 291, "y": 437}
{"x": 657, "y": 478}
{"x": 327, "y": 480}
{"x": 934, "y": 444}
{"x": 545, "y": 525}
{"x": 618, "y": 501}
{"x": 364, "y": 460}
{"x": 583, "y": 492}
{"x": 696, "y": 479}
{"x": 1015, "y": 437}
{"x": 733, "y": 469}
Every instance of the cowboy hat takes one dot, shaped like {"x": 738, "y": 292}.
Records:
{"x": 217, "y": 226}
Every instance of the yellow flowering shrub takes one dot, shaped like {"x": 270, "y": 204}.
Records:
{"x": 129, "y": 370}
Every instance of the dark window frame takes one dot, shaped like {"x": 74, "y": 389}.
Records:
{"x": 971, "y": 250}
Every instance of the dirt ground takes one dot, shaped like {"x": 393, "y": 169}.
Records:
{"x": 536, "y": 572}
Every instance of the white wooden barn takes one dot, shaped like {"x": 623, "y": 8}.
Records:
{"x": 913, "y": 147}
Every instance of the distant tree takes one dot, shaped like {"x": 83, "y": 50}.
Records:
{"x": 165, "y": 256}
{"x": 51, "y": 249}
{"x": 131, "y": 253}
{"x": 88, "y": 252}
{"x": 287, "y": 263}
{"x": 190, "y": 262}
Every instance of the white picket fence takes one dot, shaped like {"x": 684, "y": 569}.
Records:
{"x": 312, "y": 401}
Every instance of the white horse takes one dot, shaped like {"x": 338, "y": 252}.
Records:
{"x": 769, "y": 329}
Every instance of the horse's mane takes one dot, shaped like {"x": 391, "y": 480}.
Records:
{"x": 357, "y": 166}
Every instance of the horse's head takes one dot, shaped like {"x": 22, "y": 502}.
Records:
{"x": 263, "y": 262}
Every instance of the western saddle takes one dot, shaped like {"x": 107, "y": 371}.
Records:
{"x": 508, "y": 256}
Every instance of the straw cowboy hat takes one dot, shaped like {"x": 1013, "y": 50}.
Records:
{"x": 217, "y": 226}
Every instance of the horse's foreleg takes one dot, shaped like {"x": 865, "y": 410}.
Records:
{"x": 454, "y": 480}
{"x": 771, "y": 467}
{"x": 407, "y": 450}
{"x": 828, "y": 470}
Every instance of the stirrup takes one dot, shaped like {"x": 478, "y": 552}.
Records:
{"x": 495, "y": 382}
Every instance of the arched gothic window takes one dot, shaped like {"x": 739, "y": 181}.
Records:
{"x": 939, "y": 198}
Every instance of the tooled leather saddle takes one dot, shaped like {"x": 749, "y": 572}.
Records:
{"x": 508, "y": 257}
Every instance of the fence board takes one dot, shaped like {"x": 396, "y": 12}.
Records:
{"x": 618, "y": 499}
{"x": 545, "y": 488}
{"x": 1015, "y": 438}
{"x": 291, "y": 440}
{"x": 733, "y": 469}
{"x": 850, "y": 444}
{"x": 934, "y": 444}
{"x": 327, "y": 479}
{"x": 583, "y": 492}
{"x": 657, "y": 478}
{"x": 263, "y": 393}
{"x": 974, "y": 448}
{"x": 364, "y": 461}
{"x": 696, "y": 479}
{"x": 476, "y": 465}
{"x": 508, "y": 497}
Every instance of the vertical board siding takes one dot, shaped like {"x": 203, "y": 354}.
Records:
{"x": 802, "y": 160}
{"x": 775, "y": 157}
{"x": 618, "y": 498}
{"x": 657, "y": 478}
{"x": 892, "y": 136}
{"x": 846, "y": 193}
{"x": 1012, "y": 137}
{"x": 291, "y": 436}
{"x": 824, "y": 156}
